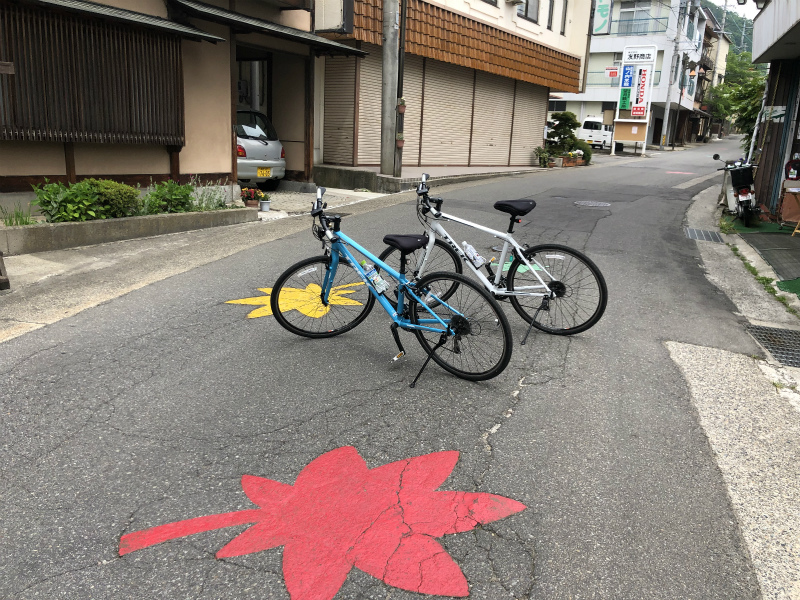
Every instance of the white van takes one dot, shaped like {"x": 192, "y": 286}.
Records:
{"x": 594, "y": 133}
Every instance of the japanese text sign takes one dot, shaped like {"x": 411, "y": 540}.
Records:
{"x": 639, "y": 54}
{"x": 627, "y": 76}
{"x": 602, "y": 17}
{"x": 625, "y": 98}
{"x": 639, "y": 108}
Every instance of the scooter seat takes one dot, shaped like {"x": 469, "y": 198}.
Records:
{"x": 406, "y": 243}
{"x": 516, "y": 208}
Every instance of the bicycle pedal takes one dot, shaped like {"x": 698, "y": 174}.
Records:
{"x": 398, "y": 357}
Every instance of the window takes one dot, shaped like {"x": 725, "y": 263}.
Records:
{"x": 85, "y": 80}
{"x": 550, "y": 15}
{"x": 529, "y": 10}
{"x": 564, "y": 18}
{"x": 609, "y": 106}
{"x": 634, "y": 17}
{"x": 593, "y": 125}
{"x": 557, "y": 106}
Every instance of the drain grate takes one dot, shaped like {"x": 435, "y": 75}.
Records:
{"x": 591, "y": 203}
{"x": 703, "y": 235}
{"x": 783, "y": 344}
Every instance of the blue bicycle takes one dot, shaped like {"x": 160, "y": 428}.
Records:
{"x": 459, "y": 325}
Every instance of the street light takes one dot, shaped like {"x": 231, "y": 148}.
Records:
{"x": 760, "y": 4}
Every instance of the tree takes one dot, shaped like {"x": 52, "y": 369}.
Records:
{"x": 739, "y": 96}
{"x": 561, "y": 137}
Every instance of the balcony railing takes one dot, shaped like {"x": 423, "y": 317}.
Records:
{"x": 639, "y": 26}
{"x": 599, "y": 79}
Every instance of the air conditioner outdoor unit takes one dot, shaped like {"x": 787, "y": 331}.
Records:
{"x": 515, "y": 2}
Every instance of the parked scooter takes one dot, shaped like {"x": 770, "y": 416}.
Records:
{"x": 737, "y": 185}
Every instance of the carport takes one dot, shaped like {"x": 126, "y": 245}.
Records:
{"x": 272, "y": 70}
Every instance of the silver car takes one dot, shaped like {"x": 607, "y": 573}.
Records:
{"x": 261, "y": 158}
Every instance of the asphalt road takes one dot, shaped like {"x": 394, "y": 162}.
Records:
{"x": 149, "y": 408}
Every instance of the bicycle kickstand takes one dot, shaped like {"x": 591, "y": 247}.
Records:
{"x": 396, "y": 336}
{"x": 439, "y": 344}
{"x": 544, "y": 306}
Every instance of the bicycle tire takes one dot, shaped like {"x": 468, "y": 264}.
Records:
{"x": 297, "y": 306}
{"x": 482, "y": 347}
{"x": 580, "y": 290}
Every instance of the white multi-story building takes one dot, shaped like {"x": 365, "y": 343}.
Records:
{"x": 675, "y": 28}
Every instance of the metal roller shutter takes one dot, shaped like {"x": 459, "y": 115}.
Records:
{"x": 530, "y": 116}
{"x": 412, "y": 91}
{"x": 491, "y": 123}
{"x": 340, "y": 90}
{"x": 447, "y": 114}
{"x": 369, "y": 107}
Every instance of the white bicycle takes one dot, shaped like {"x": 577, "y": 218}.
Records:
{"x": 554, "y": 288}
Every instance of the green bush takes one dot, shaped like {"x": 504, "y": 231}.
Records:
{"x": 119, "y": 200}
{"x": 169, "y": 197}
{"x": 587, "y": 150}
{"x": 77, "y": 202}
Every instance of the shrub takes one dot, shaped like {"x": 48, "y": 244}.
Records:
{"x": 169, "y": 197}
{"x": 77, "y": 202}
{"x": 208, "y": 196}
{"x": 561, "y": 137}
{"x": 587, "y": 150}
{"x": 119, "y": 200}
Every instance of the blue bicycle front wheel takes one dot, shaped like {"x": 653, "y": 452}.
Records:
{"x": 298, "y": 304}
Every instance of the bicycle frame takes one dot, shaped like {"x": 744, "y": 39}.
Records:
{"x": 508, "y": 243}
{"x": 339, "y": 247}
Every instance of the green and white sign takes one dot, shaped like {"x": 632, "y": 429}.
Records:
{"x": 602, "y": 17}
{"x": 625, "y": 98}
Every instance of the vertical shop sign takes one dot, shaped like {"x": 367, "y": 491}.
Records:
{"x": 602, "y": 17}
{"x": 639, "y": 108}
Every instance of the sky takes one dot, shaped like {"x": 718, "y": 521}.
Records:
{"x": 749, "y": 10}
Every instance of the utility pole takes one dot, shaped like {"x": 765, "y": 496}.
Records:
{"x": 391, "y": 26}
{"x": 400, "y": 108}
{"x": 716, "y": 57}
{"x": 719, "y": 42}
{"x": 665, "y": 122}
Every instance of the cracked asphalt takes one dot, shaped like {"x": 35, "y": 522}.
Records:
{"x": 134, "y": 396}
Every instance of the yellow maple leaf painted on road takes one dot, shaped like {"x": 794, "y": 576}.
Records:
{"x": 306, "y": 301}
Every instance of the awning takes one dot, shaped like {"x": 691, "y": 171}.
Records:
{"x": 244, "y": 23}
{"x": 111, "y": 13}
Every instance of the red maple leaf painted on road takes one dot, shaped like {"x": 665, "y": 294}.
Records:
{"x": 340, "y": 514}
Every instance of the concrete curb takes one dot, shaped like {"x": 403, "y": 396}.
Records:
{"x": 353, "y": 179}
{"x": 59, "y": 236}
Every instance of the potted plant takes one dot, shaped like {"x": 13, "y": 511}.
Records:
{"x": 252, "y": 196}
{"x": 569, "y": 160}
{"x": 543, "y": 156}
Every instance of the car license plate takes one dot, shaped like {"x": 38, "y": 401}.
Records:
{"x": 264, "y": 172}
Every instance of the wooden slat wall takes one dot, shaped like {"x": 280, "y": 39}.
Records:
{"x": 530, "y": 116}
{"x": 84, "y": 80}
{"x": 437, "y": 33}
{"x": 340, "y": 96}
{"x": 369, "y": 102}
{"x": 491, "y": 128}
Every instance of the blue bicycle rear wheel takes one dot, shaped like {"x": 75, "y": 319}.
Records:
{"x": 478, "y": 344}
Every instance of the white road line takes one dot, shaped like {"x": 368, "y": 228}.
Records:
{"x": 695, "y": 181}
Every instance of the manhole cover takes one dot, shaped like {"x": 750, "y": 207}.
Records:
{"x": 591, "y": 203}
{"x": 783, "y": 344}
{"x": 703, "y": 235}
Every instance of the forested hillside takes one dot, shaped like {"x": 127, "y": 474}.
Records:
{"x": 739, "y": 29}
